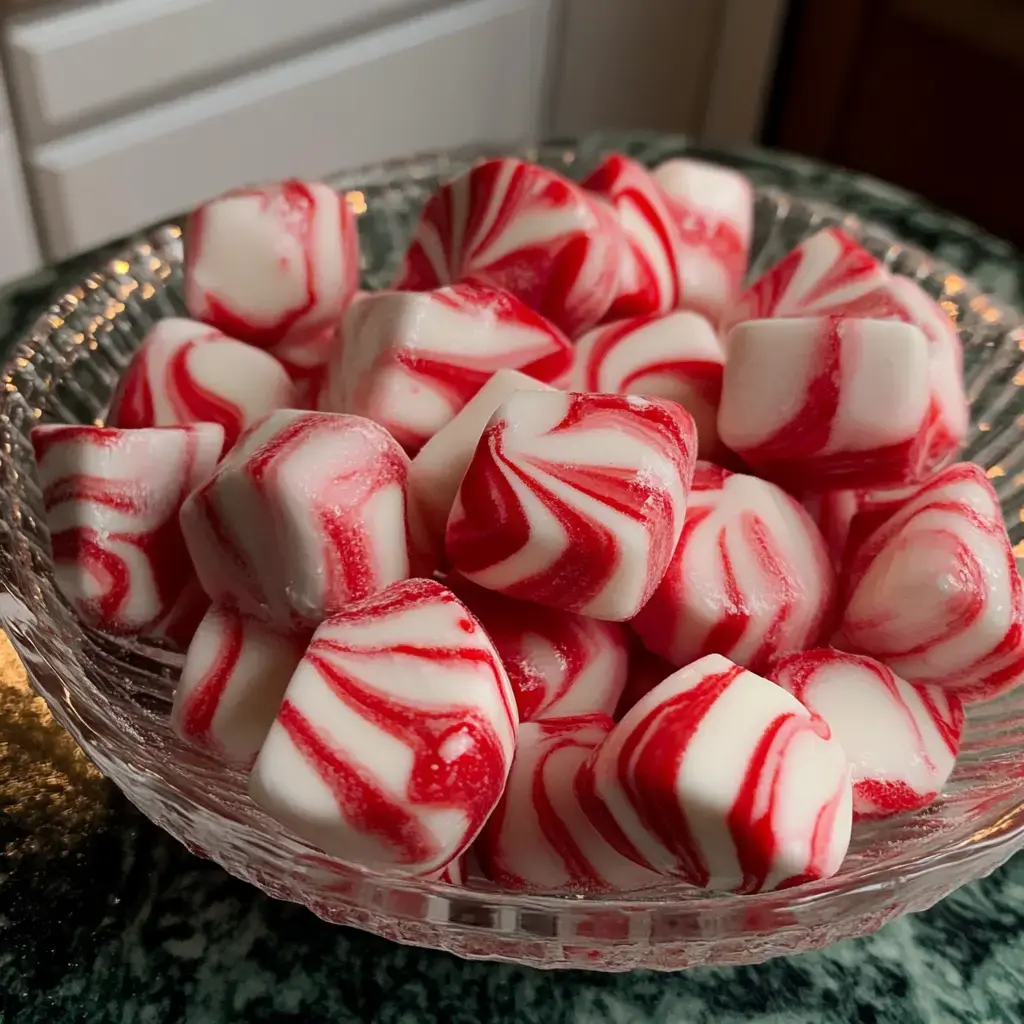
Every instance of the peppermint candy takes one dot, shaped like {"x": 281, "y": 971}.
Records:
{"x": 396, "y": 733}
{"x": 724, "y": 780}
{"x": 575, "y": 501}
{"x": 272, "y": 264}
{"x": 901, "y": 739}
{"x": 524, "y": 228}
{"x": 186, "y": 372}
{"x": 750, "y": 577}
{"x": 112, "y": 499}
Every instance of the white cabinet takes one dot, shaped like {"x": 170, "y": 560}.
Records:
{"x": 472, "y": 72}
{"x": 76, "y": 64}
{"x": 19, "y": 252}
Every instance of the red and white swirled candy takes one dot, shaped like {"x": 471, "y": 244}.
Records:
{"x": 678, "y": 356}
{"x": 524, "y": 228}
{"x": 950, "y": 415}
{"x": 232, "y": 684}
{"x": 750, "y": 577}
{"x": 649, "y": 277}
{"x": 112, "y": 499}
{"x": 575, "y": 500}
{"x": 538, "y": 839}
{"x": 901, "y": 739}
{"x": 305, "y": 514}
{"x": 935, "y": 592}
{"x": 828, "y": 274}
{"x": 439, "y": 466}
{"x": 713, "y": 211}
{"x": 396, "y": 734}
{"x": 271, "y": 264}
{"x": 186, "y": 372}
{"x": 559, "y": 664}
{"x": 826, "y": 402}
{"x": 723, "y": 779}
{"x": 412, "y": 360}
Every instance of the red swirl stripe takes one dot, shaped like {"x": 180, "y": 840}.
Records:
{"x": 703, "y": 374}
{"x": 296, "y": 207}
{"x": 571, "y": 852}
{"x": 628, "y": 185}
{"x": 851, "y": 283}
{"x": 202, "y": 704}
{"x": 412, "y": 362}
{"x": 797, "y": 453}
{"x": 185, "y": 372}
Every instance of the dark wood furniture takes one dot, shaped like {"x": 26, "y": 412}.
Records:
{"x": 925, "y": 93}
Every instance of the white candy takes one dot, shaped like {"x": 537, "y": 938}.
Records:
{"x": 935, "y": 591}
{"x": 649, "y": 275}
{"x": 412, "y": 360}
{"x": 950, "y": 412}
{"x": 524, "y": 228}
{"x": 901, "y": 739}
{"x": 723, "y": 779}
{"x": 750, "y": 577}
{"x": 827, "y": 402}
{"x": 538, "y": 839}
{"x": 713, "y": 209}
{"x": 112, "y": 499}
{"x": 439, "y": 466}
{"x": 396, "y": 734}
{"x": 186, "y": 372}
{"x": 845, "y": 518}
{"x": 575, "y": 501}
{"x": 678, "y": 356}
{"x": 305, "y": 514}
{"x": 271, "y": 264}
{"x": 826, "y": 274}
{"x": 234, "y": 679}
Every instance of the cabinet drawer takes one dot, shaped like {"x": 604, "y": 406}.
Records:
{"x": 19, "y": 253}
{"x": 473, "y": 72}
{"x": 73, "y": 65}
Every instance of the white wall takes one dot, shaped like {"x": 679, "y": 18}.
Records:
{"x": 702, "y": 67}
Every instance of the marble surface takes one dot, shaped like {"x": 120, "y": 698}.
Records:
{"x": 105, "y": 920}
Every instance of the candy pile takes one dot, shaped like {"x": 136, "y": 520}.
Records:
{"x": 565, "y": 553}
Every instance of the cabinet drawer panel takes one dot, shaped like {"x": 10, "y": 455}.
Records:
{"x": 19, "y": 253}
{"x": 78, "y": 64}
{"x": 474, "y": 72}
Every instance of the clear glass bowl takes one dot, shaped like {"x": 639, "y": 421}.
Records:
{"x": 114, "y": 697}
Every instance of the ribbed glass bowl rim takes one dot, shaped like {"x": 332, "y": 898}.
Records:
{"x": 771, "y": 923}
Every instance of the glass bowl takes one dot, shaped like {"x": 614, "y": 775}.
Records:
{"x": 114, "y": 696}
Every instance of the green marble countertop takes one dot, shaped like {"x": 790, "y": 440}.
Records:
{"x": 106, "y": 920}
